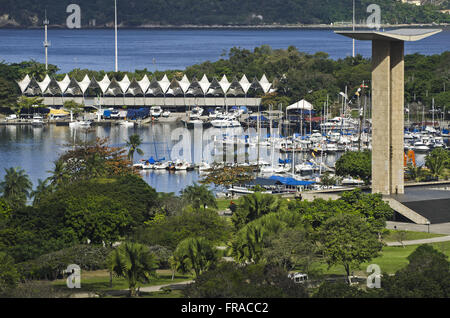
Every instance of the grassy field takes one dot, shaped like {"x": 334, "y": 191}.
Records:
{"x": 409, "y": 236}
{"x": 98, "y": 281}
{"x": 223, "y": 204}
{"x": 392, "y": 259}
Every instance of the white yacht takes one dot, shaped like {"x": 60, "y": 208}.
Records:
{"x": 181, "y": 165}
{"x": 126, "y": 123}
{"x": 156, "y": 111}
{"x": 80, "y": 124}
{"x": 165, "y": 114}
{"x": 225, "y": 122}
{"x": 196, "y": 112}
{"x": 37, "y": 120}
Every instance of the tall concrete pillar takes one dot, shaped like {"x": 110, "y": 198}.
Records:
{"x": 388, "y": 104}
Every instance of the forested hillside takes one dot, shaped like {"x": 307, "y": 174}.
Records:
{"x": 136, "y": 13}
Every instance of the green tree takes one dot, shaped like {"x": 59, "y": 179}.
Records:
{"x": 255, "y": 205}
{"x": 42, "y": 189}
{"x": 436, "y": 161}
{"x": 9, "y": 277}
{"x": 97, "y": 218}
{"x": 73, "y": 107}
{"x": 135, "y": 263}
{"x": 199, "y": 195}
{"x": 195, "y": 254}
{"x": 25, "y": 102}
{"x": 133, "y": 144}
{"x": 349, "y": 241}
{"x": 15, "y": 187}
{"x": 248, "y": 244}
{"x": 357, "y": 164}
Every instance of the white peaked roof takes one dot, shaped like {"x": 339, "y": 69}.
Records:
{"x": 23, "y": 84}
{"x": 204, "y": 84}
{"x": 144, "y": 83}
{"x": 124, "y": 83}
{"x": 184, "y": 84}
{"x": 104, "y": 83}
{"x": 64, "y": 84}
{"x": 44, "y": 84}
{"x": 265, "y": 84}
{"x": 245, "y": 84}
{"x": 303, "y": 104}
{"x": 224, "y": 84}
{"x": 164, "y": 83}
{"x": 84, "y": 84}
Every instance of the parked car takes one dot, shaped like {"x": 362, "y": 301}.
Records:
{"x": 298, "y": 278}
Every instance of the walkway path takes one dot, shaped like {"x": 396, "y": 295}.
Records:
{"x": 158, "y": 287}
{"x": 440, "y": 228}
{"x": 423, "y": 241}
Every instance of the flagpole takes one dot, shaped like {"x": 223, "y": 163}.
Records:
{"x": 115, "y": 30}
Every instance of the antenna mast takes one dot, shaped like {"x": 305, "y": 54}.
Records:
{"x": 115, "y": 28}
{"x": 353, "y": 27}
{"x": 46, "y": 43}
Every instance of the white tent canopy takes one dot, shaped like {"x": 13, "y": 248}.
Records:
{"x": 245, "y": 84}
{"x": 184, "y": 84}
{"x": 44, "y": 84}
{"x": 224, "y": 84}
{"x": 23, "y": 84}
{"x": 84, "y": 84}
{"x": 164, "y": 84}
{"x": 104, "y": 84}
{"x": 204, "y": 84}
{"x": 265, "y": 84}
{"x": 124, "y": 83}
{"x": 303, "y": 104}
{"x": 144, "y": 83}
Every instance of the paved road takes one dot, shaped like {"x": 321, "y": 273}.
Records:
{"x": 423, "y": 241}
{"x": 158, "y": 287}
{"x": 441, "y": 228}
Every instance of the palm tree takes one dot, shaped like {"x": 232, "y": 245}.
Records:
{"x": 133, "y": 143}
{"x": 134, "y": 262}
{"x": 196, "y": 254}
{"x": 59, "y": 173}
{"x": 16, "y": 187}
{"x": 248, "y": 245}
{"x": 436, "y": 161}
{"x": 199, "y": 195}
{"x": 42, "y": 189}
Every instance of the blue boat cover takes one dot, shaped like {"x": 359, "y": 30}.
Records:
{"x": 291, "y": 181}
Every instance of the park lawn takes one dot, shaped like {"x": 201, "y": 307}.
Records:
{"x": 391, "y": 259}
{"x": 92, "y": 281}
{"x": 410, "y": 236}
{"x": 223, "y": 204}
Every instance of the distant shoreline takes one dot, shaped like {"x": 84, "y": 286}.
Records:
{"x": 237, "y": 27}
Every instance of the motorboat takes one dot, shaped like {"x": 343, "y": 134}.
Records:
{"x": 126, "y": 123}
{"x": 80, "y": 124}
{"x": 226, "y": 122}
{"x": 181, "y": 165}
{"x": 351, "y": 181}
{"x": 165, "y": 114}
{"x": 196, "y": 112}
{"x": 304, "y": 169}
{"x": 37, "y": 120}
{"x": 156, "y": 111}
{"x": 203, "y": 166}
{"x": 161, "y": 165}
{"x": 420, "y": 147}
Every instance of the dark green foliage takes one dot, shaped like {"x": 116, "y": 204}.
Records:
{"x": 15, "y": 187}
{"x": 173, "y": 229}
{"x": 199, "y": 196}
{"x": 51, "y": 266}
{"x": 134, "y": 13}
{"x": 9, "y": 277}
{"x": 252, "y": 206}
{"x": 230, "y": 280}
{"x": 195, "y": 254}
{"x": 437, "y": 160}
{"x": 338, "y": 290}
{"x": 349, "y": 241}
{"x": 162, "y": 254}
{"x": 355, "y": 164}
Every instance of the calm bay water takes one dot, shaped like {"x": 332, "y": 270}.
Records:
{"x": 178, "y": 48}
{"x": 35, "y": 149}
